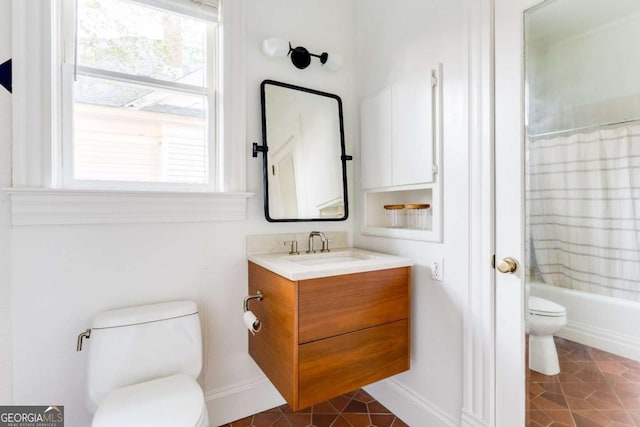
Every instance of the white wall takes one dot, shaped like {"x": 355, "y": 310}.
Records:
{"x": 304, "y": 24}
{"x": 395, "y": 41}
{"x": 5, "y": 181}
{"x": 582, "y": 80}
{"x": 62, "y": 275}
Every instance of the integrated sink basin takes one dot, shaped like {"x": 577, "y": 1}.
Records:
{"x": 324, "y": 264}
{"x": 337, "y": 257}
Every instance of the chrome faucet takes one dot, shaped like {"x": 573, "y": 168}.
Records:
{"x": 323, "y": 238}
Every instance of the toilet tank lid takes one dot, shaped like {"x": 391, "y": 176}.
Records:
{"x": 143, "y": 314}
{"x": 541, "y": 305}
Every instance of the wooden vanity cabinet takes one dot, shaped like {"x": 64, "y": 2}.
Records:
{"x": 324, "y": 337}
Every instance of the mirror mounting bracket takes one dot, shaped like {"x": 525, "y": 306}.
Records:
{"x": 259, "y": 148}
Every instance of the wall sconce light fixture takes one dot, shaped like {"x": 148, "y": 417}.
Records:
{"x": 300, "y": 56}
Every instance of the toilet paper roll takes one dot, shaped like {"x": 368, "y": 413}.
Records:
{"x": 251, "y": 322}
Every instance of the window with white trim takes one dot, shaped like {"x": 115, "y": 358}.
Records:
{"x": 139, "y": 93}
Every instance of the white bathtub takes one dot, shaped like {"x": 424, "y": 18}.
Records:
{"x": 607, "y": 323}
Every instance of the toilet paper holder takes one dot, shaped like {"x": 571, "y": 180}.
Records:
{"x": 248, "y": 298}
{"x": 250, "y": 320}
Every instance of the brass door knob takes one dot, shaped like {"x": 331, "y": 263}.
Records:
{"x": 507, "y": 265}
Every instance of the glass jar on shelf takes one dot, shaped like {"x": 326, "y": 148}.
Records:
{"x": 417, "y": 215}
{"x": 394, "y": 216}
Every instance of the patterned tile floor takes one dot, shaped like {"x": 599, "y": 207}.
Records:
{"x": 593, "y": 389}
{"x": 355, "y": 409}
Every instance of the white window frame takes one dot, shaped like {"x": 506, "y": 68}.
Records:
{"x": 37, "y": 132}
{"x": 69, "y": 70}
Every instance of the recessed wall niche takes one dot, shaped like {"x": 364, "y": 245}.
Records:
{"x": 376, "y": 221}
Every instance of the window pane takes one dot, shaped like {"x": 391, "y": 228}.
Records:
{"x": 127, "y": 37}
{"x": 127, "y": 132}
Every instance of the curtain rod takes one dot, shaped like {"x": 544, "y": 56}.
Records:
{"x": 559, "y": 132}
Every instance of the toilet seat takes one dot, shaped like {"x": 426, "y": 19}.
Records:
{"x": 545, "y": 308}
{"x": 174, "y": 401}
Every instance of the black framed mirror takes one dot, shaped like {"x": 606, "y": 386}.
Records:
{"x": 304, "y": 159}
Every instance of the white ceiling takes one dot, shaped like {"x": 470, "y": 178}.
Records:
{"x": 556, "y": 20}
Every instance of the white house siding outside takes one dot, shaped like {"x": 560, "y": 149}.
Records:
{"x": 131, "y": 145}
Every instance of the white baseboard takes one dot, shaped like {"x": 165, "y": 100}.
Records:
{"x": 408, "y": 406}
{"x": 241, "y": 400}
{"x": 603, "y": 339}
{"x": 471, "y": 420}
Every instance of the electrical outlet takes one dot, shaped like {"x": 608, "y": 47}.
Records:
{"x": 437, "y": 269}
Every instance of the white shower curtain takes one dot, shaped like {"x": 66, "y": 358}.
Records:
{"x": 583, "y": 196}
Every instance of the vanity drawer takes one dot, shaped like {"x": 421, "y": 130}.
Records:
{"x": 340, "y": 364}
{"x": 355, "y": 301}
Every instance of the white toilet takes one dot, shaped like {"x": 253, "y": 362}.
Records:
{"x": 142, "y": 367}
{"x": 545, "y": 319}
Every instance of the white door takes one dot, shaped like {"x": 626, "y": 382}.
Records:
{"x": 509, "y": 211}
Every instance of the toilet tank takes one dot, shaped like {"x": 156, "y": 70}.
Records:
{"x": 136, "y": 344}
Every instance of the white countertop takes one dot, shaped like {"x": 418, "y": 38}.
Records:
{"x": 334, "y": 263}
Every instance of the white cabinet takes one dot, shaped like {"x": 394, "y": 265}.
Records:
{"x": 412, "y": 132}
{"x": 397, "y": 135}
{"x": 399, "y": 149}
{"x": 375, "y": 140}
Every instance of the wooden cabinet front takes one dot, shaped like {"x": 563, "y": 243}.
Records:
{"x": 340, "y": 364}
{"x": 336, "y": 305}
{"x": 324, "y": 337}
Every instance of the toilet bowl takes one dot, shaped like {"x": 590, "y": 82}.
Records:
{"x": 142, "y": 367}
{"x": 545, "y": 318}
